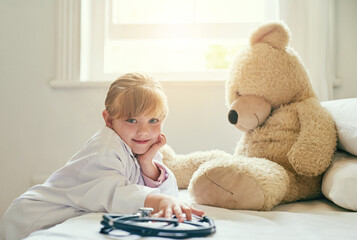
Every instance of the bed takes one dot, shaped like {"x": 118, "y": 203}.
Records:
{"x": 318, "y": 219}
{"x": 331, "y": 217}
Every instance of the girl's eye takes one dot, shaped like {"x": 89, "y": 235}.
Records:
{"x": 131, "y": 120}
{"x": 154, "y": 120}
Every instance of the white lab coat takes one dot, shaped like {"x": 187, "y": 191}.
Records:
{"x": 102, "y": 177}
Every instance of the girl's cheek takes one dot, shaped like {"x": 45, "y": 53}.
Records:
{"x": 159, "y": 129}
{"x": 157, "y": 132}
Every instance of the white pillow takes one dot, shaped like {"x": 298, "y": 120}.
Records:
{"x": 344, "y": 113}
{"x": 340, "y": 180}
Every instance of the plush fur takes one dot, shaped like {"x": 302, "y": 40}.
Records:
{"x": 289, "y": 138}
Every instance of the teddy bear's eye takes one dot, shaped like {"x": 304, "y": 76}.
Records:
{"x": 238, "y": 93}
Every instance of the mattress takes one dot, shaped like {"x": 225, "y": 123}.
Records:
{"x": 318, "y": 219}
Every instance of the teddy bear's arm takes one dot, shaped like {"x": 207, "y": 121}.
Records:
{"x": 184, "y": 165}
{"x": 311, "y": 154}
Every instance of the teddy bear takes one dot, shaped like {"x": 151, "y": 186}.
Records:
{"x": 288, "y": 137}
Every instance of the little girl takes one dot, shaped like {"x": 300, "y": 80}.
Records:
{"x": 118, "y": 171}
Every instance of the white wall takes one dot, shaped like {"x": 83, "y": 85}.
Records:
{"x": 41, "y": 127}
{"x": 346, "y": 54}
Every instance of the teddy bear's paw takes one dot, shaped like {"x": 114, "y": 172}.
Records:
{"x": 227, "y": 188}
{"x": 240, "y": 183}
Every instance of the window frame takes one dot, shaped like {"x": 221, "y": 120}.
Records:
{"x": 75, "y": 56}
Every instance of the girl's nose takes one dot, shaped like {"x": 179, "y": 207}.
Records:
{"x": 143, "y": 130}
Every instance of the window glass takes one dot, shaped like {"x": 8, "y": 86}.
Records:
{"x": 177, "y": 36}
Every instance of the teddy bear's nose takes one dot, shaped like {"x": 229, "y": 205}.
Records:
{"x": 233, "y": 116}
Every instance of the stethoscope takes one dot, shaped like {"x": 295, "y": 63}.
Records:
{"x": 144, "y": 225}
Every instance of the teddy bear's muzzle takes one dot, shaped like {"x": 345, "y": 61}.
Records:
{"x": 248, "y": 112}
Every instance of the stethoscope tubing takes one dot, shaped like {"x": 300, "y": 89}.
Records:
{"x": 127, "y": 223}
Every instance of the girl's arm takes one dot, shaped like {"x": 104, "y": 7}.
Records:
{"x": 148, "y": 167}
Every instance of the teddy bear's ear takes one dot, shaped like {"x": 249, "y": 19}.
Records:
{"x": 275, "y": 34}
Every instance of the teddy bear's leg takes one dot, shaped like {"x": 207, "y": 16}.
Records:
{"x": 184, "y": 165}
{"x": 240, "y": 183}
{"x": 302, "y": 187}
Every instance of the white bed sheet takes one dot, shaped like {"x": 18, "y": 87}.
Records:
{"x": 318, "y": 219}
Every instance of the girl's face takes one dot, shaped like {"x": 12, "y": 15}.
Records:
{"x": 139, "y": 133}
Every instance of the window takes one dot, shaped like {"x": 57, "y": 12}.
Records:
{"x": 171, "y": 39}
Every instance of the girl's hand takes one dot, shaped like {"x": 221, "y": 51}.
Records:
{"x": 145, "y": 160}
{"x": 151, "y": 152}
{"x": 166, "y": 206}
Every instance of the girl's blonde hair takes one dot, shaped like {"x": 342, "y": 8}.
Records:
{"x": 136, "y": 94}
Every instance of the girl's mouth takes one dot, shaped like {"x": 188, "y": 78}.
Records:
{"x": 141, "y": 141}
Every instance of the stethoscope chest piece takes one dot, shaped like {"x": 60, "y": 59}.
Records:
{"x": 145, "y": 211}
